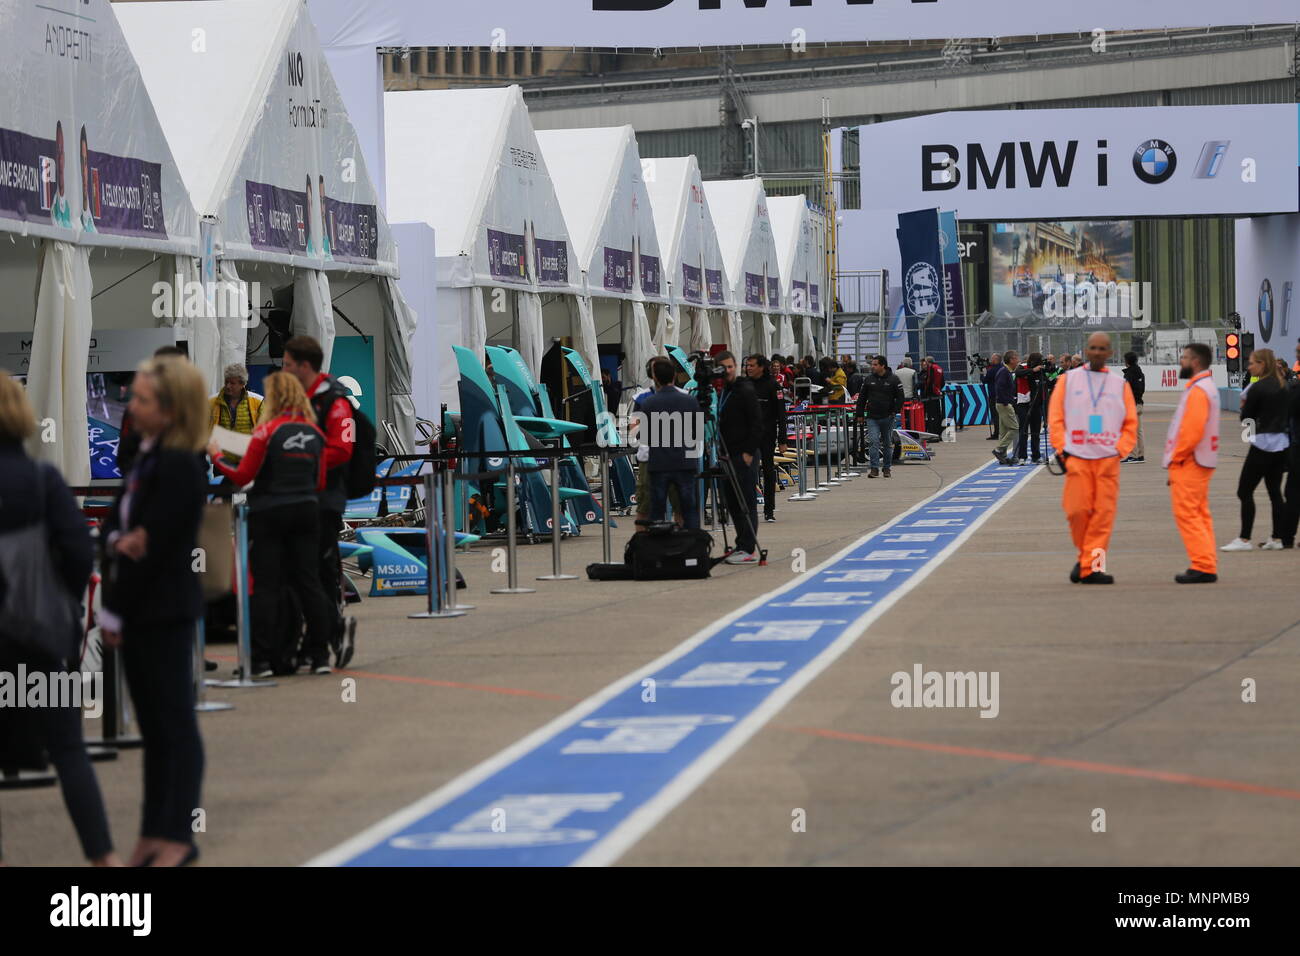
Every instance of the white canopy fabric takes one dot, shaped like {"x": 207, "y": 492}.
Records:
{"x": 467, "y": 163}
{"x": 801, "y": 266}
{"x": 693, "y": 261}
{"x": 261, "y": 135}
{"x": 83, "y": 163}
{"x": 745, "y": 235}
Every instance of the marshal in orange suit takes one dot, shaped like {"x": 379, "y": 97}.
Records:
{"x": 1092, "y": 423}
{"x": 1191, "y": 455}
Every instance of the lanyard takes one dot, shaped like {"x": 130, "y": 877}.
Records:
{"x": 1096, "y": 398}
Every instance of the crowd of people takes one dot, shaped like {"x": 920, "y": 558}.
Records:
{"x": 300, "y": 435}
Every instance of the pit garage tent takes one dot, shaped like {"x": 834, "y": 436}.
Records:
{"x": 697, "y": 278}
{"x": 598, "y": 180}
{"x": 272, "y": 163}
{"x": 467, "y": 162}
{"x": 801, "y": 274}
{"x": 94, "y": 208}
{"x": 745, "y": 234}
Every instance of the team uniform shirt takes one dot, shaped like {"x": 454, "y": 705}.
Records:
{"x": 285, "y": 463}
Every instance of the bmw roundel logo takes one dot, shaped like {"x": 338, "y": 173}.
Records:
{"x": 1154, "y": 161}
{"x": 1266, "y": 310}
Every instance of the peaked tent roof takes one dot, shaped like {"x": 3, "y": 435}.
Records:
{"x": 801, "y": 268}
{"x": 261, "y": 133}
{"x": 687, "y": 236}
{"x": 599, "y": 181}
{"x": 467, "y": 162}
{"x": 745, "y": 234}
{"x": 70, "y": 77}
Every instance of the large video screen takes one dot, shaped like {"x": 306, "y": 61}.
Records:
{"x": 1064, "y": 273}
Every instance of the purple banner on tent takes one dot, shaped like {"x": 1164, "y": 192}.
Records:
{"x": 552, "y": 261}
{"x": 691, "y": 289}
{"x": 815, "y": 297}
{"x": 754, "y": 291}
{"x": 277, "y": 218}
{"x": 351, "y": 230}
{"x": 774, "y": 293}
{"x": 125, "y": 196}
{"x": 618, "y": 270}
{"x": 799, "y": 301}
{"x": 28, "y": 184}
{"x": 506, "y": 256}
{"x": 650, "y": 275}
{"x": 713, "y": 279}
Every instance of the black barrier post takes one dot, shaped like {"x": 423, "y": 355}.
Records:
{"x": 604, "y": 504}
{"x": 436, "y": 603}
{"x": 117, "y": 710}
{"x": 242, "y": 613}
{"x": 201, "y": 703}
{"x": 512, "y": 547}
{"x": 801, "y": 452}
{"x": 556, "y": 520}
{"x": 449, "y": 522}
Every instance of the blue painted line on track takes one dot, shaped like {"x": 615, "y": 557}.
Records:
{"x": 587, "y": 785}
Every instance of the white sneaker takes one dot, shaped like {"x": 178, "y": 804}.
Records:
{"x": 741, "y": 557}
{"x": 1238, "y": 544}
{"x": 1271, "y": 545}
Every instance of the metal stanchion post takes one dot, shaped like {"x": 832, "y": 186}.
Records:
{"x": 556, "y": 521}
{"x": 820, "y": 484}
{"x": 801, "y": 454}
{"x": 118, "y": 731}
{"x": 604, "y": 505}
{"x": 242, "y": 621}
{"x": 436, "y": 605}
{"x": 512, "y": 547}
{"x": 201, "y": 704}
{"x": 849, "y": 456}
{"x": 449, "y": 521}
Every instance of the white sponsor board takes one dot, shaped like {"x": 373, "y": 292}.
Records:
{"x": 1086, "y": 163}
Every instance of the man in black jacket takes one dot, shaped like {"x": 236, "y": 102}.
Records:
{"x": 1137, "y": 383}
{"x": 879, "y": 401}
{"x": 740, "y": 429}
{"x": 987, "y": 377}
{"x": 771, "y": 407}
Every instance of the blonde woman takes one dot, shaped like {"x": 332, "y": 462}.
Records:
{"x": 285, "y": 463}
{"x": 152, "y": 599}
{"x": 1265, "y": 409}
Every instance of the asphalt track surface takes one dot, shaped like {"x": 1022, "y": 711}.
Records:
{"x": 1125, "y": 699}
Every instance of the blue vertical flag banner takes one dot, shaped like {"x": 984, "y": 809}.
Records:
{"x": 918, "y": 248}
{"x": 956, "y": 367}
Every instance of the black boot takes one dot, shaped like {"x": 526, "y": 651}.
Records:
{"x": 1192, "y": 576}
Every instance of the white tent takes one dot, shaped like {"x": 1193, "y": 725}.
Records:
{"x": 598, "y": 180}
{"x": 801, "y": 274}
{"x": 467, "y": 162}
{"x": 749, "y": 251}
{"x": 92, "y": 201}
{"x": 697, "y": 278}
{"x": 264, "y": 144}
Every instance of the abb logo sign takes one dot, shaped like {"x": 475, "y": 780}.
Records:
{"x": 1169, "y": 378}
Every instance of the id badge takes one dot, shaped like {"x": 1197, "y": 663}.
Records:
{"x": 1094, "y": 425}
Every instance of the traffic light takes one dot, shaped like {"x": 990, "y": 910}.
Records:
{"x": 1247, "y": 346}
{"x": 1232, "y": 349}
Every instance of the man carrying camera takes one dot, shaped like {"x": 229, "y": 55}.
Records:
{"x": 771, "y": 406}
{"x": 740, "y": 429}
{"x": 880, "y": 400}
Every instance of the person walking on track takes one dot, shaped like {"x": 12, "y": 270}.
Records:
{"x": 1093, "y": 425}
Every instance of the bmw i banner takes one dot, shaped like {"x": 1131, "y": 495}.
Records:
{"x": 1087, "y": 163}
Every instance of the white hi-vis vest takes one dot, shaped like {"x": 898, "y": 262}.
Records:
{"x": 1094, "y": 412}
{"x": 1207, "y": 449}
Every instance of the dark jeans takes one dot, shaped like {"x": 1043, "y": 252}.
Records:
{"x": 331, "y": 567}
{"x": 744, "y": 509}
{"x": 57, "y": 730}
{"x": 766, "y": 452}
{"x": 1030, "y": 417}
{"x": 159, "y": 663}
{"x": 282, "y": 554}
{"x": 685, "y": 483}
{"x": 1269, "y": 467}
{"x": 1291, "y": 495}
{"x": 993, "y": 414}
